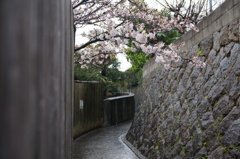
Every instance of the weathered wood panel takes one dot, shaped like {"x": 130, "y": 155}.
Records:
{"x": 118, "y": 109}
{"x": 88, "y": 115}
{"x": 36, "y": 79}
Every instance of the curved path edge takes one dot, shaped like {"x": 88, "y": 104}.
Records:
{"x": 131, "y": 147}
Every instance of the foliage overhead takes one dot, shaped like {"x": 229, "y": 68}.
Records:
{"x": 88, "y": 74}
{"x": 138, "y": 58}
{"x": 119, "y": 21}
{"x": 112, "y": 78}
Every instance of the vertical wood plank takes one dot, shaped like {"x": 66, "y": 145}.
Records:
{"x": 36, "y": 79}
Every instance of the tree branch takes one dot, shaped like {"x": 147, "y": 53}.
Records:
{"x": 80, "y": 3}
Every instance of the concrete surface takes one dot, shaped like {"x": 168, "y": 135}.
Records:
{"x": 103, "y": 143}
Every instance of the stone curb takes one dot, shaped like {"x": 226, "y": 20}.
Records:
{"x": 131, "y": 147}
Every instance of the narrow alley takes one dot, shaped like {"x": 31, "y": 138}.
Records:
{"x": 103, "y": 143}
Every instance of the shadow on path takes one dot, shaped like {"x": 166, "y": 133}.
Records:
{"x": 104, "y": 143}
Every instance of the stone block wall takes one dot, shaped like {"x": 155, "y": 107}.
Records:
{"x": 193, "y": 112}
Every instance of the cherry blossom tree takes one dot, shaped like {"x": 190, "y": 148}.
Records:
{"x": 120, "y": 24}
{"x": 193, "y": 10}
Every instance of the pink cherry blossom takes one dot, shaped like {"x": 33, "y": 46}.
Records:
{"x": 160, "y": 59}
{"x": 141, "y": 38}
{"x": 118, "y": 22}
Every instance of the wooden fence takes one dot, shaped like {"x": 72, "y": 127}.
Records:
{"x": 119, "y": 109}
{"x": 88, "y": 107}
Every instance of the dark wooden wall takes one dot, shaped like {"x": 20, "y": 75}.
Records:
{"x": 90, "y": 116}
{"x": 36, "y": 48}
{"x": 118, "y": 110}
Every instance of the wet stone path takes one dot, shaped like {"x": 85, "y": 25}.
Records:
{"x": 103, "y": 143}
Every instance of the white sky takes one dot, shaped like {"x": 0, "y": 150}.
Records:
{"x": 154, "y": 4}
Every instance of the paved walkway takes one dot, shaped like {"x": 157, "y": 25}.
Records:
{"x": 104, "y": 143}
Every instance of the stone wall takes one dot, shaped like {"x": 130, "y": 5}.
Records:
{"x": 88, "y": 107}
{"x": 194, "y": 112}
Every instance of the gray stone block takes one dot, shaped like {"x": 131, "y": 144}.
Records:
{"x": 224, "y": 37}
{"x": 203, "y": 107}
{"x": 216, "y": 38}
{"x": 216, "y": 154}
{"x": 206, "y": 45}
{"x": 206, "y": 120}
{"x": 232, "y": 135}
{"x": 236, "y": 67}
{"x": 236, "y": 57}
{"x": 212, "y": 56}
{"x": 215, "y": 93}
{"x": 234, "y": 30}
{"x": 202, "y": 153}
{"x": 226, "y": 122}
{"x": 209, "y": 72}
{"x": 222, "y": 107}
{"x": 213, "y": 143}
{"x": 224, "y": 66}
{"x": 228, "y": 48}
